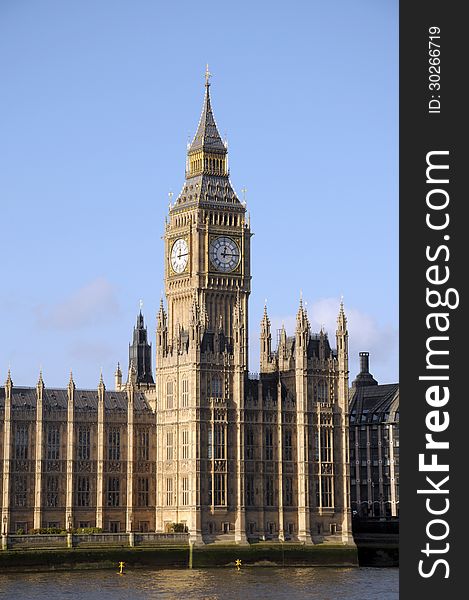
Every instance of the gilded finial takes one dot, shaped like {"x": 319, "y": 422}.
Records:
{"x": 207, "y": 76}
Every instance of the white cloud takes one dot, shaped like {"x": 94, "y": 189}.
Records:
{"x": 95, "y": 301}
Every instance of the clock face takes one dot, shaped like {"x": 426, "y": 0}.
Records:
{"x": 179, "y": 255}
{"x": 224, "y": 254}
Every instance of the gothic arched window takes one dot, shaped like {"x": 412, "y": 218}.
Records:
{"x": 169, "y": 394}
{"x": 216, "y": 389}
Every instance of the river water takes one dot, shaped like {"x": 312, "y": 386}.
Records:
{"x": 205, "y": 584}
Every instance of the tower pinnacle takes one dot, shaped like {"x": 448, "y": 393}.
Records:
{"x": 207, "y": 76}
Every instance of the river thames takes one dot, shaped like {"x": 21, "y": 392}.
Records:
{"x": 205, "y": 584}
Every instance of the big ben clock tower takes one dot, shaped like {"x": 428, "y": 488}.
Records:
{"x": 202, "y": 345}
{"x": 207, "y": 237}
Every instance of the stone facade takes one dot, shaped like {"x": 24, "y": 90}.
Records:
{"x": 201, "y": 441}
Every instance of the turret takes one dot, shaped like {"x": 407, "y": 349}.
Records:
{"x": 140, "y": 352}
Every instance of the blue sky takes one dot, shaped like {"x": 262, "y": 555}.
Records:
{"x": 98, "y": 102}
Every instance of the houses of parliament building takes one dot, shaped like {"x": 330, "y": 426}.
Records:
{"x": 198, "y": 441}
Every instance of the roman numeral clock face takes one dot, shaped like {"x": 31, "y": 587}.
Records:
{"x": 179, "y": 255}
{"x": 224, "y": 254}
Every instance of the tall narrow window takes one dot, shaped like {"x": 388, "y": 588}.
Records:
{"x": 185, "y": 443}
{"x": 143, "y": 444}
{"x": 113, "y": 491}
{"x": 316, "y": 445}
{"x": 143, "y": 491}
{"x": 169, "y": 491}
{"x": 20, "y": 491}
{"x": 52, "y": 491}
{"x": 326, "y": 444}
{"x": 288, "y": 491}
{"x": 249, "y": 490}
{"x": 268, "y": 447}
{"x": 210, "y": 443}
{"x": 83, "y": 491}
{"x": 287, "y": 444}
{"x": 169, "y": 445}
{"x": 185, "y": 393}
{"x": 322, "y": 391}
{"x": 21, "y": 441}
{"x": 220, "y": 441}
{"x": 169, "y": 394}
{"x": 114, "y": 443}
{"x": 84, "y": 442}
{"x": 327, "y": 491}
{"x": 220, "y": 489}
{"x": 249, "y": 444}
{"x": 269, "y": 490}
{"x": 216, "y": 386}
{"x": 53, "y": 442}
{"x": 185, "y": 491}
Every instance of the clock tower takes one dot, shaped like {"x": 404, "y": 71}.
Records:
{"x": 207, "y": 237}
{"x": 202, "y": 344}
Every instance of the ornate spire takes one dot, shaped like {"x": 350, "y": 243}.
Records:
{"x": 161, "y": 319}
{"x": 207, "y": 136}
{"x": 40, "y": 381}
{"x": 9, "y": 382}
{"x": 265, "y": 323}
{"x": 101, "y": 385}
{"x": 302, "y": 322}
{"x": 207, "y": 174}
{"x": 341, "y": 318}
{"x": 71, "y": 383}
